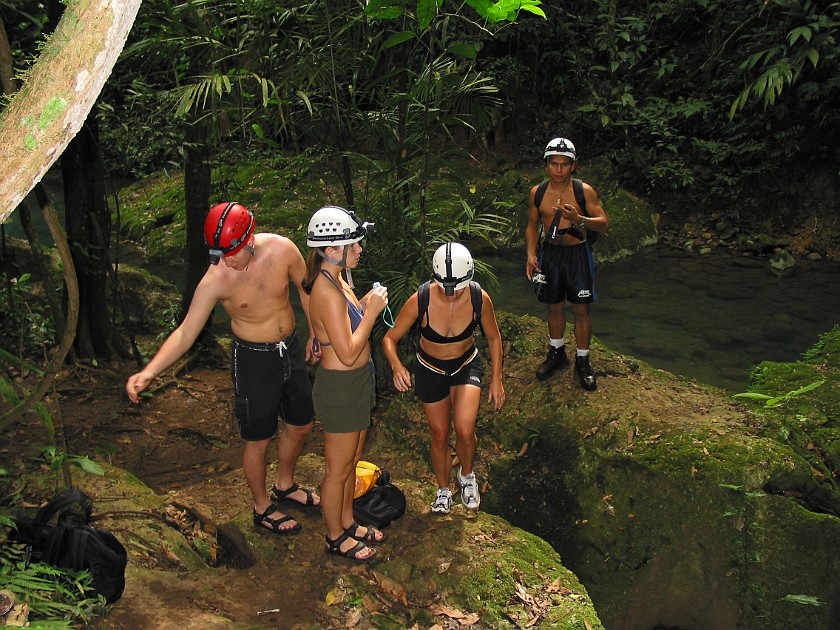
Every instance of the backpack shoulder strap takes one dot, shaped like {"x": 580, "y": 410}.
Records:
{"x": 422, "y": 302}
{"x": 63, "y": 500}
{"x": 538, "y": 196}
{"x": 577, "y": 186}
{"x": 477, "y": 299}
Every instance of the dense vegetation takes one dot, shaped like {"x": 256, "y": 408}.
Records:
{"x": 696, "y": 105}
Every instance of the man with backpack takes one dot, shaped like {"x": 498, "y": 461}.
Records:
{"x": 561, "y": 267}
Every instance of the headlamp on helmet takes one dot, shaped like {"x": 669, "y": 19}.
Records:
{"x": 560, "y": 146}
{"x": 452, "y": 267}
{"x": 333, "y": 226}
{"x": 227, "y": 229}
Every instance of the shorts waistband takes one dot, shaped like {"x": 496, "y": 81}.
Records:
{"x": 562, "y": 246}
{"x": 442, "y": 366}
{"x": 265, "y": 346}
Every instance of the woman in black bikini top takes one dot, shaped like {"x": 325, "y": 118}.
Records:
{"x": 448, "y": 369}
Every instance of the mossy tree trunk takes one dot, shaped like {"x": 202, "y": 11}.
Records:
{"x": 51, "y": 107}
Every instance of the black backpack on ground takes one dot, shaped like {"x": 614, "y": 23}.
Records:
{"x": 380, "y": 505}
{"x": 59, "y": 535}
{"x": 577, "y": 187}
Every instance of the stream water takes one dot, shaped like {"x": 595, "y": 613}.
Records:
{"x": 709, "y": 318}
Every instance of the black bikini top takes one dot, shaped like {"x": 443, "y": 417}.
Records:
{"x": 430, "y": 334}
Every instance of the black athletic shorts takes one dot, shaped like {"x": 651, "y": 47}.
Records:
{"x": 569, "y": 273}
{"x": 271, "y": 382}
{"x": 433, "y": 377}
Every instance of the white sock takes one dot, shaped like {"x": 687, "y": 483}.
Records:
{"x": 582, "y": 353}
{"x": 557, "y": 343}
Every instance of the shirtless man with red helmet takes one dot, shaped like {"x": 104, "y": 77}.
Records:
{"x": 268, "y": 363}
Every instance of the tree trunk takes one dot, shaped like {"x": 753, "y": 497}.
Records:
{"x": 59, "y": 93}
{"x": 85, "y": 206}
{"x": 197, "y": 177}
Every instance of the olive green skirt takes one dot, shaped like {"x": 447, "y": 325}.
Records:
{"x": 343, "y": 398}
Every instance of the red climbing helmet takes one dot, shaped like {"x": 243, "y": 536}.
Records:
{"x": 226, "y": 230}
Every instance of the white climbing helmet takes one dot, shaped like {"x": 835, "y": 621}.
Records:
{"x": 335, "y": 226}
{"x": 560, "y": 146}
{"x": 452, "y": 267}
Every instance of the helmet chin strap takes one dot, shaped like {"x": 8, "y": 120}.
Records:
{"x": 339, "y": 263}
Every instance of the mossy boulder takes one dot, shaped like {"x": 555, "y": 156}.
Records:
{"x": 674, "y": 504}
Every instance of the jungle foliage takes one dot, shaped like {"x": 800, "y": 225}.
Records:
{"x": 696, "y": 105}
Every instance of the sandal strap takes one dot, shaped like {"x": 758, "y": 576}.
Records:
{"x": 334, "y": 547}
{"x": 274, "y": 523}
{"x": 283, "y": 495}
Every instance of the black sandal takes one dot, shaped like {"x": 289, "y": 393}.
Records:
{"x": 260, "y": 520}
{"x": 281, "y": 496}
{"x": 334, "y": 547}
{"x": 369, "y": 536}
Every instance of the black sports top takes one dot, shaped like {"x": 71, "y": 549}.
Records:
{"x": 430, "y": 334}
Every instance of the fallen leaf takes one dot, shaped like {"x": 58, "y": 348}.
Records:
{"x": 447, "y": 611}
{"x": 443, "y": 566}
{"x": 353, "y": 618}
{"x": 523, "y": 450}
{"x": 705, "y": 451}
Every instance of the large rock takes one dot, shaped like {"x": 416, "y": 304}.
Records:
{"x": 675, "y": 505}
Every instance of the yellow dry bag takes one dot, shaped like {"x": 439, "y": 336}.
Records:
{"x": 367, "y": 475}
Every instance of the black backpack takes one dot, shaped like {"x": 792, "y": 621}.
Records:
{"x": 380, "y": 505}
{"x": 577, "y": 187}
{"x": 70, "y": 543}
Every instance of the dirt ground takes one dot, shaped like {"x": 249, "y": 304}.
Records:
{"x": 182, "y": 441}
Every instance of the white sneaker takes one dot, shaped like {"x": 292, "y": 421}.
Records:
{"x": 443, "y": 501}
{"x": 470, "y": 496}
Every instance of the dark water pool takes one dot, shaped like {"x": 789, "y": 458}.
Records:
{"x": 709, "y": 318}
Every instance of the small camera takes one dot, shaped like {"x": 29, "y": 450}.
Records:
{"x": 376, "y": 285}
{"x": 539, "y": 282}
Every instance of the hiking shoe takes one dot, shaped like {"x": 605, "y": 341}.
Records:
{"x": 470, "y": 496}
{"x": 554, "y": 360}
{"x": 443, "y": 501}
{"x": 585, "y": 373}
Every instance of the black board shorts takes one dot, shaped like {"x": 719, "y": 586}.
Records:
{"x": 569, "y": 273}
{"x": 270, "y": 382}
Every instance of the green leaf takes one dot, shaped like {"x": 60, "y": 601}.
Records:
{"x": 426, "y": 12}
{"x": 807, "y": 600}
{"x": 802, "y": 31}
{"x": 88, "y": 465}
{"x": 466, "y": 51}
{"x": 752, "y": 396}
{"x": 397, "y": 39}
